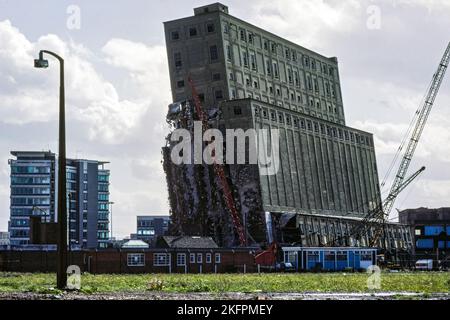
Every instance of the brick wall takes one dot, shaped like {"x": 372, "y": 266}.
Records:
{"x": 115, "y": 261}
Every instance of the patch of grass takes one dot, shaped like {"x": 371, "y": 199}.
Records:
{"x": 426, "y": 283}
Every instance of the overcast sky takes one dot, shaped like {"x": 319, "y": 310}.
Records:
{"x": 117, "y": 83}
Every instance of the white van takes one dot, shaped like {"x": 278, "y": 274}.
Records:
{"x": 424, "y": 265}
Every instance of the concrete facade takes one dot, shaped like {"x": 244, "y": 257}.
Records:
{"x": 232, "y": 59}
{"x": 325, "y": 168}
{"x": 249, "y": 78}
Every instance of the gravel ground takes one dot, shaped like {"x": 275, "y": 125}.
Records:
{"x": 226, "y": 296}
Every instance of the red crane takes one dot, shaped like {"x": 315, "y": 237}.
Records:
{"x": 219, "y": 171}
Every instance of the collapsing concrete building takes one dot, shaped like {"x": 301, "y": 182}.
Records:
{"x": 248, "y": 78}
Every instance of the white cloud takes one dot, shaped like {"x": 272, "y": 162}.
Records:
{"x": 29, "y": 94}
{"x": 308, "y": 23}
{"x": 115, "y": 119}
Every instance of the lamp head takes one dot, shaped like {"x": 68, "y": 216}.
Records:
{"x": 41, "y": 62}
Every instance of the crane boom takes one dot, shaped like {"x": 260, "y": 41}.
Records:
{"x": 379, "y": 215}
{"x": 423, "y": 114}
{"x": 219, "y": 171}
{"x": 376, "y": 216}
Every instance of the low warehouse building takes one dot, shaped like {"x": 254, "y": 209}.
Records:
{"x": 329, "y": 259}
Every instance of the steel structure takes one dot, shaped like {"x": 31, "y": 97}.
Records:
{"x": 422, "y": 116}
{"x": 219, "y": 171}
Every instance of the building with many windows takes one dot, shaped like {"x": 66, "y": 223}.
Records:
{"x": 4, "y": 238}
{"x": 34, "y": 193}
{"x": 149, "y": 228}
{"x": 249, "y": 78}
{"x": 431, "y": 230}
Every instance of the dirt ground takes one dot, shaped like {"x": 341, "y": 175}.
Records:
{"x": 227, "y": 296}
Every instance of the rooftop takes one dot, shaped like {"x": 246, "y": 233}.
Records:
{"x": 135, "y": 244}
{"x": 190, "y": 242}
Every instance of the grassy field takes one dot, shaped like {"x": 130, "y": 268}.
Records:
{"x": 326, "y": 282}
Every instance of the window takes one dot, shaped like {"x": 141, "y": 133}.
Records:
{"x": 192, "y": 32}
{"x": 216, "y": 77}
{"x": 180, "y": 84}
{"x": 250, "y": 38}
{"x": 229, "y": 56}
{"x": 290, "y": 76}
{"x": 231, "y": 76}
{"x": 199, "y": 258}
{"x": 274, "y": 47}
{"x": 175, "y": 35}
{"x": 266, "y": 45}
{"x": 192, "y": 258}
{"x": 296, "y": 79}
{"x": 226, "y": 28}
{"x": 214, "y": 53}
{"x": 161, "y": 259}
{"x": 208, "y": 258}
{"x": 253, "y": 62}
{"x": 275, "y": 70}
{"x": 181, "y": 259}
{"x": 268, "y": 68}
{"x": 136, "y": 259}
{"x": 242, "y": 34}
{"x": 433, "y": 230}
{"x": 210, "y": 27}
{"x": 177, "y": 60}
{"x": 219, "y": 95}
{"x": 245, "y": 59}
{"x": 217, "y": 257}
{"x": 309, "y": 83}
{"x": 424, "y": 244}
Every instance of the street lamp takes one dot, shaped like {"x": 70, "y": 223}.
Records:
{"x": 61, "y": 272}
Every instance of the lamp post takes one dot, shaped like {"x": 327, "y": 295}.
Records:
{"x": 61, "y": 272}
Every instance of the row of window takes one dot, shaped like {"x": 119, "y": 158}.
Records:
{"x": 163, "y": 259}
{"x": 23, "y": 201}
{"x": 270, "y": 67}
{"x": 193, "y": 31}
{"x": 309, "y": 125}
{"x": 15, "y": 180}
{"x": 148, "y": 232}
{"x": 312, "y": 85}
{"x": 432, "y": 230}
{"x": 274, "y": 48}
{"x": 30, "y": 191}
{"x": 103, "y": 177}
{"x": 430, "y": 244}
{"x": 30, "y": 169}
